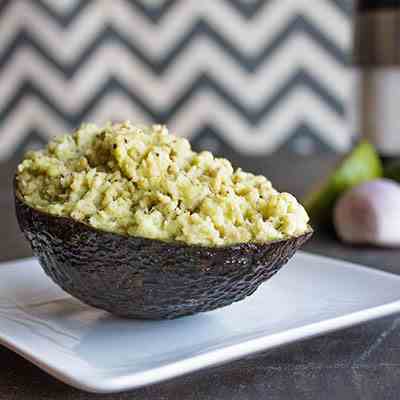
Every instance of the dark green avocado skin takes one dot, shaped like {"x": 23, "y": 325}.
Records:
{"x": 143, "y": 278}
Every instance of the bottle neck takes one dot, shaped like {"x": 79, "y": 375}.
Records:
{"x": 377, "y": 36}
{"x": 376, "y": 55}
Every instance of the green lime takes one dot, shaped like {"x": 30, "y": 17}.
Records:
{"x": 360, "y": 165}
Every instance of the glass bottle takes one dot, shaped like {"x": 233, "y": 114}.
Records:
{"x": 377, "y": 74}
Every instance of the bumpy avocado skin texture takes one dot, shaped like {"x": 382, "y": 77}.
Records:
{"x": 143, "y": 278}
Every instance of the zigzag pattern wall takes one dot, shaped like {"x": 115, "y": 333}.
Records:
{"x": 250, "y": 74}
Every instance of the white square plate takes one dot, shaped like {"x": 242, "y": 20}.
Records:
{"x": 94, "y": 351}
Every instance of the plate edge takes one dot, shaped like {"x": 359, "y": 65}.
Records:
{"x": 90, "y": 383}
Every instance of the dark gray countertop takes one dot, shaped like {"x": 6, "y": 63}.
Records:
{"x": 357, "y": 363}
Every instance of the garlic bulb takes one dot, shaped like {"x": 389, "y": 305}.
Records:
{"x": 370, "y": 214}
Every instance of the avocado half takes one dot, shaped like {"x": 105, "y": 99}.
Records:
{"x": 142, "y": 278}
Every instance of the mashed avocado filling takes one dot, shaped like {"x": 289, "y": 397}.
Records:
{"x": 143, "y": 181}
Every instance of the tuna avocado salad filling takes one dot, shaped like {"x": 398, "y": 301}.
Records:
{"x": 143, "y": 181}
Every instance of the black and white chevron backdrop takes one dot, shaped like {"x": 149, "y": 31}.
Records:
{"x": 252, "y": 75}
